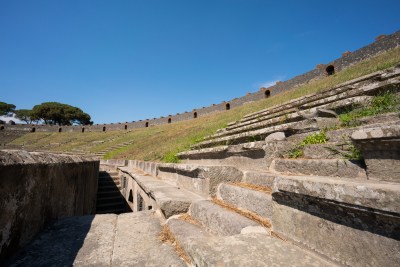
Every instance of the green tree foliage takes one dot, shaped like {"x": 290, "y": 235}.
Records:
{"x": 26, "y": 115}
{"x": 61, "y": 114}
{"x": 6, "y": 108}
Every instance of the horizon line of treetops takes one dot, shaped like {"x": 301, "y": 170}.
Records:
{"x": 52, "y": 113}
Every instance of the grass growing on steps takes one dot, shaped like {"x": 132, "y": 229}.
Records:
{"x": 161, "y": 143}
{"x": 312, "y": 139}
{"x": 383, "y": 103}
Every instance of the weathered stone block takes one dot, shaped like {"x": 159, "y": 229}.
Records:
{"x": 202, "y": 179}
{"x": 218, "y": 219}
{"x": 347, "y": 235}
{"x": 246, "y": 199}
{"x": 380, "y": 147}
{"x": 319, "y": 167}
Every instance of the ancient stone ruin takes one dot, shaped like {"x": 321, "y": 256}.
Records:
{"x": 285, "y": 186}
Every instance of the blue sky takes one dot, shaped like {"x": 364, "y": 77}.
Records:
{"x": 130, "y": 60}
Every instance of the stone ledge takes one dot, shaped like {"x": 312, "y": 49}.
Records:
{"x": 319, "y": 167}
{"x": 202, "y": 179}
{"x": 383, "y": 132}
{"x": 23, "y": 157}
{"x": 170, "y": 199}
{"x": 370, "y": 194}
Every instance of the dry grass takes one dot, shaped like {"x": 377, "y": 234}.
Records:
{"x": 187, "y": 218}
{"x": 250, "y": 215}
{"x": 276, "y": 235}
{"x": 166, "y": 236}
{"x": 161, "y": 143}
{"x": 264, "y": 189}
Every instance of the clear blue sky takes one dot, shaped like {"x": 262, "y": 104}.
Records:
{"x": 129, "y": 60}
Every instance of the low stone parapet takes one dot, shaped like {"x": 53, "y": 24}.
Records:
{"x": 36, "y": 188}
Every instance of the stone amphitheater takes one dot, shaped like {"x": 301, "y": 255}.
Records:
{"x": 284, "y": 186}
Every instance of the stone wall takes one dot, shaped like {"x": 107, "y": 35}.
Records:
{"x": 36, "y": 188}
{"x": 381, "y": 44}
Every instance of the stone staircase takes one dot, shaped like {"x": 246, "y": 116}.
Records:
{"x": 109, "y": 198}
{"x": 258, "y": 205}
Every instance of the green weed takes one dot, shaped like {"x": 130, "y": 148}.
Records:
{"x": 171, "y": 157}
{"x": 382, "y": 103}
{"x": 312, "y": 139}
{"x": 352, "y": 153}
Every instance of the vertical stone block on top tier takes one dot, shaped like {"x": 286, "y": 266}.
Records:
{"x": 380, "y": 147}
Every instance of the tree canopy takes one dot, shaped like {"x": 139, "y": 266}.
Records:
{"x": 26, "y": 115}
{"x": 62, "y": 114}
{"x": 6, "y": 108}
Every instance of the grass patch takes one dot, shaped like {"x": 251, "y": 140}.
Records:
{"x": 171, "y": 157}
{"x": 161, "y": 143}
{"x": 382, "y": 103}
{"x": 351, "y": 153}
{"x": 312, "y": 139}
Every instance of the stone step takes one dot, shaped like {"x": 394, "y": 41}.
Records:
{"x": 342, "y": 219}
{"x": 113, "y": 193}
{"x": 200, "y": 179}
{"x": 109, "y": 173}
{"x": 244, "y": 137}
{"x": 102, "y": 240}
{"x": 261, "y": 178}
{"x": 109, "y": 178}
{"x": 112, "y": 199}
{"x": 380, "y": 148}
{"x": 243, "y": 156}
{"x": 248, "y": 249}
{"x": 109, "y": 188}
{"x": 357, "y": 83}
{"x": 109, "y": 182}
{"x": 366, "y": 193}
{"x": 293, "y": 116}
{"x": 111, "y": 206}
{"x": 219, "y": 220}
{"x": 319, "y": 167}
{"x": 329, "y": 150}
{"x": 113, "y": 210}
{"x": 248, "y": 197}
{"x": 389, "y": 78}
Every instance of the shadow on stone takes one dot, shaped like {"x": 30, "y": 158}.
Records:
{"x": 57, "y": 245}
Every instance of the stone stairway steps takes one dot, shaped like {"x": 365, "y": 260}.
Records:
{"x": 106, "y": 194}
{"x": 109, "y": 197}
{"x": 324, "y": 94}
{"x": 260, "y": 127}
{"x": 291, "y": 116}
{"x": 130, "y": 239}
{"x": 248, "y": 197}
{"x": 218, "y": 219}
{"x": 254, "y": 248}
